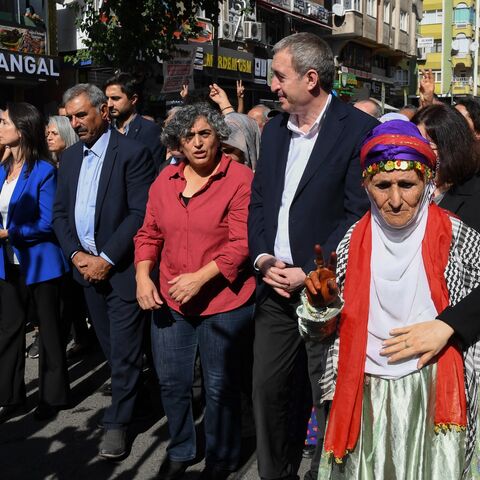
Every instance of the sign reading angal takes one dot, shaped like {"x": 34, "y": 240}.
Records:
{"x": 17, "y": 63}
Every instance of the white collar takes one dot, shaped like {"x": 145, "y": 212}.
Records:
{"x": 293, "y": 121}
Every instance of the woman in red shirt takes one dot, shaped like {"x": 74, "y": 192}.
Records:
{"x": 196, "y": 228}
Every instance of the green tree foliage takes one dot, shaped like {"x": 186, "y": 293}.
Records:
{"x": 122, "y": 33}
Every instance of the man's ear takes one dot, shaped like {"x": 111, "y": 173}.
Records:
{"x": 313, "y": 80}
{"x": 104, "y": 111}
{"x": 134, "y": 99}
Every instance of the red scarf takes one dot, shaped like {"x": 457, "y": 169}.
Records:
{"x": 346, "y": 412}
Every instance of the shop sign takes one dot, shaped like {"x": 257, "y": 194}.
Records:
{"x": 304, "y": 8}
{"x": 226, "y": 62}
{"x": 348, "y": 79}
{"x": 178, "y": 71}
{"x": 376, "y": 88}
{"x": 341, "y": 89}
{"x": 318, "y": 12}
{"x": 269, "y": 72}
{"x": 23, "y": 40}
{"x": 17, "y": 63}
{"x": 300, "y": 6}
{"x": 425, "y": 42}
{"x": 198, "y": 61}
{"x": 260, "y": 71}
{"x": 359, "y": 73}
{"x": 285, "y": 4}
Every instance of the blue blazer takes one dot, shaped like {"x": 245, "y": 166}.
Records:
{"x": 329, "y": 197}
{"x": 29, "y": 224}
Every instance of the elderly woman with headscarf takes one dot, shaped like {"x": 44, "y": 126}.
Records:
{"x": 243, "y": 143}
{"x": 401, "y": 264}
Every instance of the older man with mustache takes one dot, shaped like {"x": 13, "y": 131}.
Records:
{"x": 103, "y": 183}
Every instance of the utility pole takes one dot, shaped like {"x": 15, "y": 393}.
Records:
{"x": 215, "y": 44}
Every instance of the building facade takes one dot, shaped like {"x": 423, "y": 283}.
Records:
{"x": 30, "y": 69}
{"x": 448, "y": 45}
{"x": 374, "y": 43}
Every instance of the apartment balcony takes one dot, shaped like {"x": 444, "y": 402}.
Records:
{"x": 434, "y": 31}
{"x": 386, "y": 36}
{"x": 465, "y": 28}
{"x": 464, "y": 60}
{"x": 352, "y": 26}
{"x": 469, "y": 3}
{"x": 433, "y": 61}
{"x": 462, "y": 85}
{"x": 433, "y": 5}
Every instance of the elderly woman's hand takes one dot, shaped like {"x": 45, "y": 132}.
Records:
{"x": 426, "y": 339}
{"x": 320, "y": 284}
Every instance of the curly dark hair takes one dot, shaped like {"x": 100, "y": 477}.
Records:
{"x": 458, "y": 152}
{"x": 183, "y": 119}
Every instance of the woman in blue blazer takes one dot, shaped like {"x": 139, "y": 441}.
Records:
{"x": 31, "y": 264}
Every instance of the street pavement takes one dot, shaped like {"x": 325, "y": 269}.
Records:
{"x": 66, "y": 448}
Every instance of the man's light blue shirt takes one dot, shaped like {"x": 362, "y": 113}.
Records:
{"x": 87, "y": 189}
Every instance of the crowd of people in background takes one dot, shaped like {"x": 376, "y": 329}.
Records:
{"x": 199, "y": 245}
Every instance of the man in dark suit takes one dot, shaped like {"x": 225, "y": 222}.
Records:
{"x": 103, "y": 183}
{"x": 307, "y": 190}
{"x": 122, "y": 93}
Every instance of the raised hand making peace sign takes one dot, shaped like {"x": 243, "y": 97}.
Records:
{"x": 320, "y": 284}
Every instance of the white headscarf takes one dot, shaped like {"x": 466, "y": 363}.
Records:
{"x": 399, "y": 290}
{"x": 245, "y": 135}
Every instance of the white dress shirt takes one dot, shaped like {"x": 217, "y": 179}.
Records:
{"x": 5, "y": 197}
{"x": 300, "y": 149}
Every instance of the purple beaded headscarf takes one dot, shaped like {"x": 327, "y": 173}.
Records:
{"x": 396, "y": 145}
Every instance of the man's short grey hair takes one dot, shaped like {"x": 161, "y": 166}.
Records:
{"x": 375, "y": 109}
{"x": 182, "y": 122}
{"x": 95, "y": 95}
{"x": 310, "y": 52}
{"x": 264, "y": 109}
{"x": 171, "y": 112}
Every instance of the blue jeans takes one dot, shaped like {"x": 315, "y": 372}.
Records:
{"x": 219, "y": 338}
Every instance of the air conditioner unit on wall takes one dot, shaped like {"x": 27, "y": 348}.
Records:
{"x": 253, "y": 31}
{"x": 226, "y": 30}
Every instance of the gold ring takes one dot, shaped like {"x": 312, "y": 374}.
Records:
{"x": 406, "y": 344}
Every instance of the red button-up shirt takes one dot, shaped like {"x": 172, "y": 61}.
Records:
{"x": 213, "y": 226}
